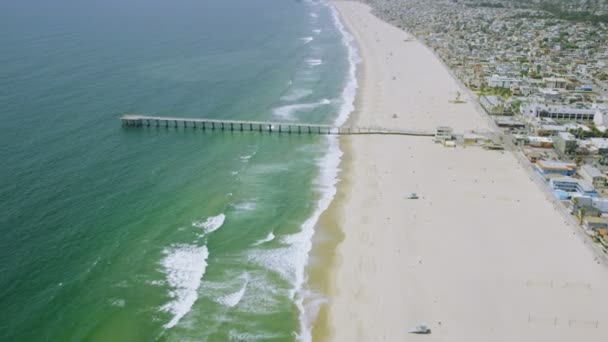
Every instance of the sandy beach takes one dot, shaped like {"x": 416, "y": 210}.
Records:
{"x": 482, "y": 255}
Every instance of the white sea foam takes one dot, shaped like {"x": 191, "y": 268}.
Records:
{"x": 118, "y": 302}
{"x": 235, "y": 335}
{"x": 246, "y": 157}
{"x": 350, "y": 90}
{"x": 316, "y": 31}
{"x": 314, "y": 62}
{"x": 268, "y": 169}
{"x": 263, "y": 296}
{"x": 314, "y": 15}
{"x": 184, "y": 266}
{"x": 156, "y": 282}
{"x": 285, "y": 261}
{"x": 296, "y": 94}
{"x": 268, "y": 238}
{"x": 231, "y": 300}
{"x": 287, "y": 112}
{"x": 211, "y": 224}
{"x": 246, "y": 206}
{"x": 122, "y": 284}
{"x": 327, "y": 181}
{"x": 307, "y": 40}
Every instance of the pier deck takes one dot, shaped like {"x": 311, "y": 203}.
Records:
{"x": 135, "y": 120}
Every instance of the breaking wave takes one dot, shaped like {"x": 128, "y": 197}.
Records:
{"x": 211, "y": 224}
{"x": 296, "y": 94}
{"x": 327, "y": 181}
{"x": 286, "y": 112}
{"x": 268, "y": 238}
{"x": 307, "y": 40}
{"x": 184, "y": 267}
{"x": 231, "y": 300}
{"x": 314, "y": 62}
{"x": 245, "y": 206}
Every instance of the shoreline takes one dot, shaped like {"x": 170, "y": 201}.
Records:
{"x": 328, "y": 234}
{"x": 376, "y": 270}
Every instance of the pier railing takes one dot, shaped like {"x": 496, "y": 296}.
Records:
{"x": 134, "y": 120}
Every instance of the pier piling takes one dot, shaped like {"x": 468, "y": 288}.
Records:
{"x": 133, "y": 120}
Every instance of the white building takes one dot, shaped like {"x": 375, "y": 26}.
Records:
{"x": 443, "y": 133}
{"x": 593, "y": 175}
{"x": 544, "y": 142}
{"x": 599, "y": 203}
{"x": 494, "y": 105}
{"x": 558, "y": 112}
{"x": 496, "y": 81}
{"x": 565, "y": 142}
{"x": 601, "y": 116}
{"x": 555, "y": 83}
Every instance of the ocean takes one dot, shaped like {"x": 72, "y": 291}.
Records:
{"x": 111, "y": 233}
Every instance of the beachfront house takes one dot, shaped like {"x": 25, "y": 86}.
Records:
{"x": 548, "y": 167}
{"x": 494, "y": 105}
{"x": 597, "y": 203}
{"x": 509, "y": 122}
{"x": 594, "y": 223}
{"x": 543, "y": 142}
{"x": 572, "y": 186}
{"x": 593, "y": 175}
{"x": 565, "y": 143}
{"x": 557, "y": 112}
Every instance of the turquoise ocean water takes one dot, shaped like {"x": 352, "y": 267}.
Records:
{"x": 122, "y": 234}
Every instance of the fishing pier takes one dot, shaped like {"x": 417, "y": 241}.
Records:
{"x": 135, "y": 120}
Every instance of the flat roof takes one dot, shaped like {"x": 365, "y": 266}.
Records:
{"x": 584, "y": 186}
{"x": 593, "y": 219}
{"x": 559, "y": 128}
{"x": 492, "y": 99}
{"x": 599, "y": 142}
{"x": 540, "y": 139}
{"x": 566, "y": 135}
{"x": 551, "y": 164}
{"x": 592, "y": 171}
{"x": 473, "y": 136}
{"x": 565, "y": 109}
{"x": 553, "y": 79}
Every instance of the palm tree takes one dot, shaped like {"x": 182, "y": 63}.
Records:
{"x": 581, "y": 215}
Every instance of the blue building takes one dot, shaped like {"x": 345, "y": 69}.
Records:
{"x": 572, "y": 185}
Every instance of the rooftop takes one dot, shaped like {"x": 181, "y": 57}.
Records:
{"x": 592, "y": 171}
{"x": 555, "y": 165}
{"x": 599, "y": 142}
{"x": 582, "y": 185}
{"x": 558, "y": 128}
{"x": 566, "y": 136}
{"x": 493, "y": 100}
